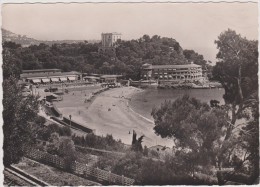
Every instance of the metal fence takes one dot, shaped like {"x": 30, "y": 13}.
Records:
{"x": 79, "y": 168}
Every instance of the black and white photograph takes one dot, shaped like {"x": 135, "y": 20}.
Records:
{"x": 130, "y": 93}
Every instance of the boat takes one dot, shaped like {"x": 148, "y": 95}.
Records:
{"x": 204, "y": 86}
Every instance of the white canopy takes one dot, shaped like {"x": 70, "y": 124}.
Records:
{"x": 36, "y": 80}
{"x": 72, "y": 78}
{"x": 55, "y": 79}
{"x": 63, "y": 79}
{"x": 45, "y": 80}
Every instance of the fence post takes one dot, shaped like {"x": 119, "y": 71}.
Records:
{"x": 109, "y": 177}
{"x": 122, "y": 179}
{"x": 97, "y": 173}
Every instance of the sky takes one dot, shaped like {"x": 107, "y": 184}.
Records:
{"x": 194, "y": 25}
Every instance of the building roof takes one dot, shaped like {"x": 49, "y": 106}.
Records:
{"x": 91, "y": 77}
{"x": 56, "y": 74}
{"x": 39, "y": 74}
{"x": 114, "y": 33}
{"x": 172, "y": 66}
{"x": 71, "y": 73}
{"x": 110, "y": 76}
{"x": 40, "y": 70}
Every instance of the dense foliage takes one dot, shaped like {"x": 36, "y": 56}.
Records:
{"x": 84, "y": 57}
{"x": 45, "y": 132}
{"x": 153, "y": 172}
{"x": 220, "y": 136}
{"x": 19, "y": 116}
{"x": 237, "y": 71}
{"x": 195, "y": 127}
{"x": 91, "y": 140}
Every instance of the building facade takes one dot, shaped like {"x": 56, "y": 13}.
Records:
{"x": 49, "y": 75}
{"x": 186, "y": 72}
{"x": 108, "y": 41}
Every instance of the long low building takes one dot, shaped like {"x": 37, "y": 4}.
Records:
{"x": 189, "y": 72}
{"x": 103, "y": 78}
{"x": 49, "y": 75}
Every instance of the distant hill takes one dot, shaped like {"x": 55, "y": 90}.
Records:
{"x": 26, "y": 41}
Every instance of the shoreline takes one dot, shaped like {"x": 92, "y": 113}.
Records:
{"x": 145, "y": 118}
{"x": 110, "y": 113}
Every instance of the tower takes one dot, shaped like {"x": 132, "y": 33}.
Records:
{"x": 108, "y": 41}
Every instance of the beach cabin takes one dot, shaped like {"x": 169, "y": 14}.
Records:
{"x": 47, "y": 76}
{"x": 110, "y": 78}
{"x": 91, "y": 79}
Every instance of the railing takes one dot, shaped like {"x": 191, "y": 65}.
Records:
{"x": 79, "y": 168}
{"x": 77, "y": 125}
{"x": 56, "y": 111}
{"x": 29, "y": 179}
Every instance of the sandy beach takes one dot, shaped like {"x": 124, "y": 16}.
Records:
{"x": 110, "y": 113}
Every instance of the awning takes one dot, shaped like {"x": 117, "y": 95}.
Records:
{"x": 55, "y": 79}
{"x": 91, "y": 77}
{"x": 63, "y": 79}
{"x": 45, "y": 80}
{"x": 165, "y": 76}
{"x": 36, "y": 80}
{"x": 161, "y": 77}
{"x": 72, "y": 78}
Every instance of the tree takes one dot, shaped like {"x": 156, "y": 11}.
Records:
{"x": 11, "y": 45}
{"x": 137, "y": 143}
{"x": 129, "y": 165}
{"x": 67, "y": 151}
{"x": 195, "y": 128}
{"x": 54, "y": 142}
{"x": 192, "y": 56}
{"x": 12, "y": 65}
{"x": 19, "y": 115}
{"x": 236, "y": 70}
{"x": 145, "y": 152}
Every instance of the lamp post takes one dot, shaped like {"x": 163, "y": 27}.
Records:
{"x": 70, "y": 120}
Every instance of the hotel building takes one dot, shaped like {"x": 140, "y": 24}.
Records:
{"x": 108, "y": 41}
{"x": 186, "y": 72}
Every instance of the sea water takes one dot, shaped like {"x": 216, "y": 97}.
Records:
{"x": 145, "y": 101}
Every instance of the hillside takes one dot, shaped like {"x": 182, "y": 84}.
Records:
{"x": 84, "y": 57}
{"x": 26, "y": 41}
